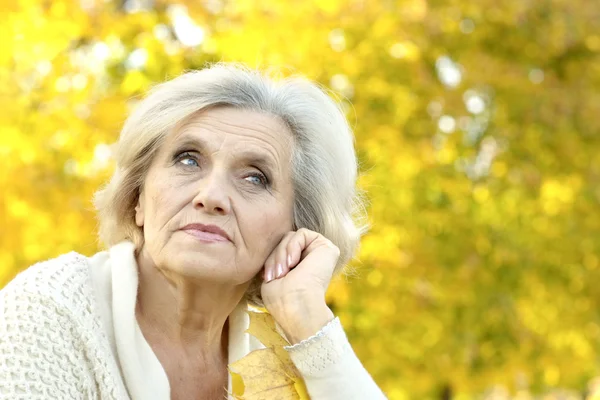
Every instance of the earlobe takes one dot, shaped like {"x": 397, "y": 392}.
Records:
{"x": 139, "y": 213}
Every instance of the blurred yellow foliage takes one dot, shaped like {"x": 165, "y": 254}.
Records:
{"x": 477, "y": 133}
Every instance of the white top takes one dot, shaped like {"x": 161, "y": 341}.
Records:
{"x": 68, "y": 331}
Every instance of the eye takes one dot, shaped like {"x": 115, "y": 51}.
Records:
{"x": 257, "y": 179}
{"x": 188, "y": 159}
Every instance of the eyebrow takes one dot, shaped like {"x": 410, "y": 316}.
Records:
{"x": 186, "y": 141}
{"x": 249, "y": 156}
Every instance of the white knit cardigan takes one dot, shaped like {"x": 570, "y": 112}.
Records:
{"x": 68, "y": 331}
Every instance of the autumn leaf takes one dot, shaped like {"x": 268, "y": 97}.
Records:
{"x": 262, "y": 326}
{"x": 267, "y": 373}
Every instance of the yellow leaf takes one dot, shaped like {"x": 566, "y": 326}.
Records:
{"x": 237, "y": 384}
{"x": 266, "y": 373}
{"x": 265, "y": 376}
{"x": 301, "y": 389}
{"x": 262, "y": 327}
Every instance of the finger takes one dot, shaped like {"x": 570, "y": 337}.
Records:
{"x": 281, "y": 264}
{"x": 297, "y": 246}
{"x": 267, "y": 274}
{"x": 274, "y": 263}
{"x": 270, "y": 266}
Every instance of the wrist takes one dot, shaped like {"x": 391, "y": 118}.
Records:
{"x": 303, "y": 317}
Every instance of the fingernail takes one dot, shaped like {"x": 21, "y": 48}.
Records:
{"x": 269, "y": 276}
{"x": 279, "y": 270}
{"x": 289, "y": 260}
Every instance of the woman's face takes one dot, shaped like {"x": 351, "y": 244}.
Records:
{"x": 225, "y": 169}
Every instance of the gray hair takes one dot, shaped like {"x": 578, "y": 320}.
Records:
{"x": 324, "y": 165}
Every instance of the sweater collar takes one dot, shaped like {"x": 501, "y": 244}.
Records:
{"x": 142, "y": 372}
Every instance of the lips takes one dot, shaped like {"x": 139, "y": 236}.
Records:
{"x": 207, "y": 233}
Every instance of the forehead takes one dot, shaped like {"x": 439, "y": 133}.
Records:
{"x": 227, "y": 126}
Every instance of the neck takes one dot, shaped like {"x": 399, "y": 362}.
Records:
{"x": 189, "y": 315}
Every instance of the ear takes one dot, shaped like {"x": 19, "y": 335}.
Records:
{"x": 139, "y": 211}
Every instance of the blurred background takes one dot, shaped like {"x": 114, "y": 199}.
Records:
{"x": 477, "y": 127}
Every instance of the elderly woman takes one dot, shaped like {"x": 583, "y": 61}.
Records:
{"x": 230, "y": 189}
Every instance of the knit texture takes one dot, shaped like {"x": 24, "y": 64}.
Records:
{"x": 52, "y": 344}
{"x": 315, "y": 354}
{"x": 56, "y": 343}
{"x": 330, "y": 367}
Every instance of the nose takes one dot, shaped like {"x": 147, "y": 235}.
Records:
{"x": 212, "y": 195}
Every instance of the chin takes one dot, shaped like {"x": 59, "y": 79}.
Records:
{"x": 198, "y": 265}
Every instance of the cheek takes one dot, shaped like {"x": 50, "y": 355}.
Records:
{"x": 163, "y": 205}
{"x": 268, "y": 230}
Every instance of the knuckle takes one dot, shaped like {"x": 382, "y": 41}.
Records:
{"x": 336, "y": 250}
{"x": 290, "y": 246}
{"x": 332, "y": 246}
{"x": 269, "y": 262}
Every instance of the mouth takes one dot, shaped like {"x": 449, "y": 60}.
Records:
{"x": 206, "y": 233}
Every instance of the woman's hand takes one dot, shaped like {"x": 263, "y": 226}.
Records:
{"x": 296, "y": 276}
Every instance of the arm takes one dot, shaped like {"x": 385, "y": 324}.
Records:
{"x": 297, "y": 275}
{"x": 41, "y": 356}
{"x": 330, "y": 367}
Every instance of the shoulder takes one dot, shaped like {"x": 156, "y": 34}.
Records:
{"x": 63, "y": 281}
{"x": 52, "y": 301}
{"x": 48, "y": 347}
